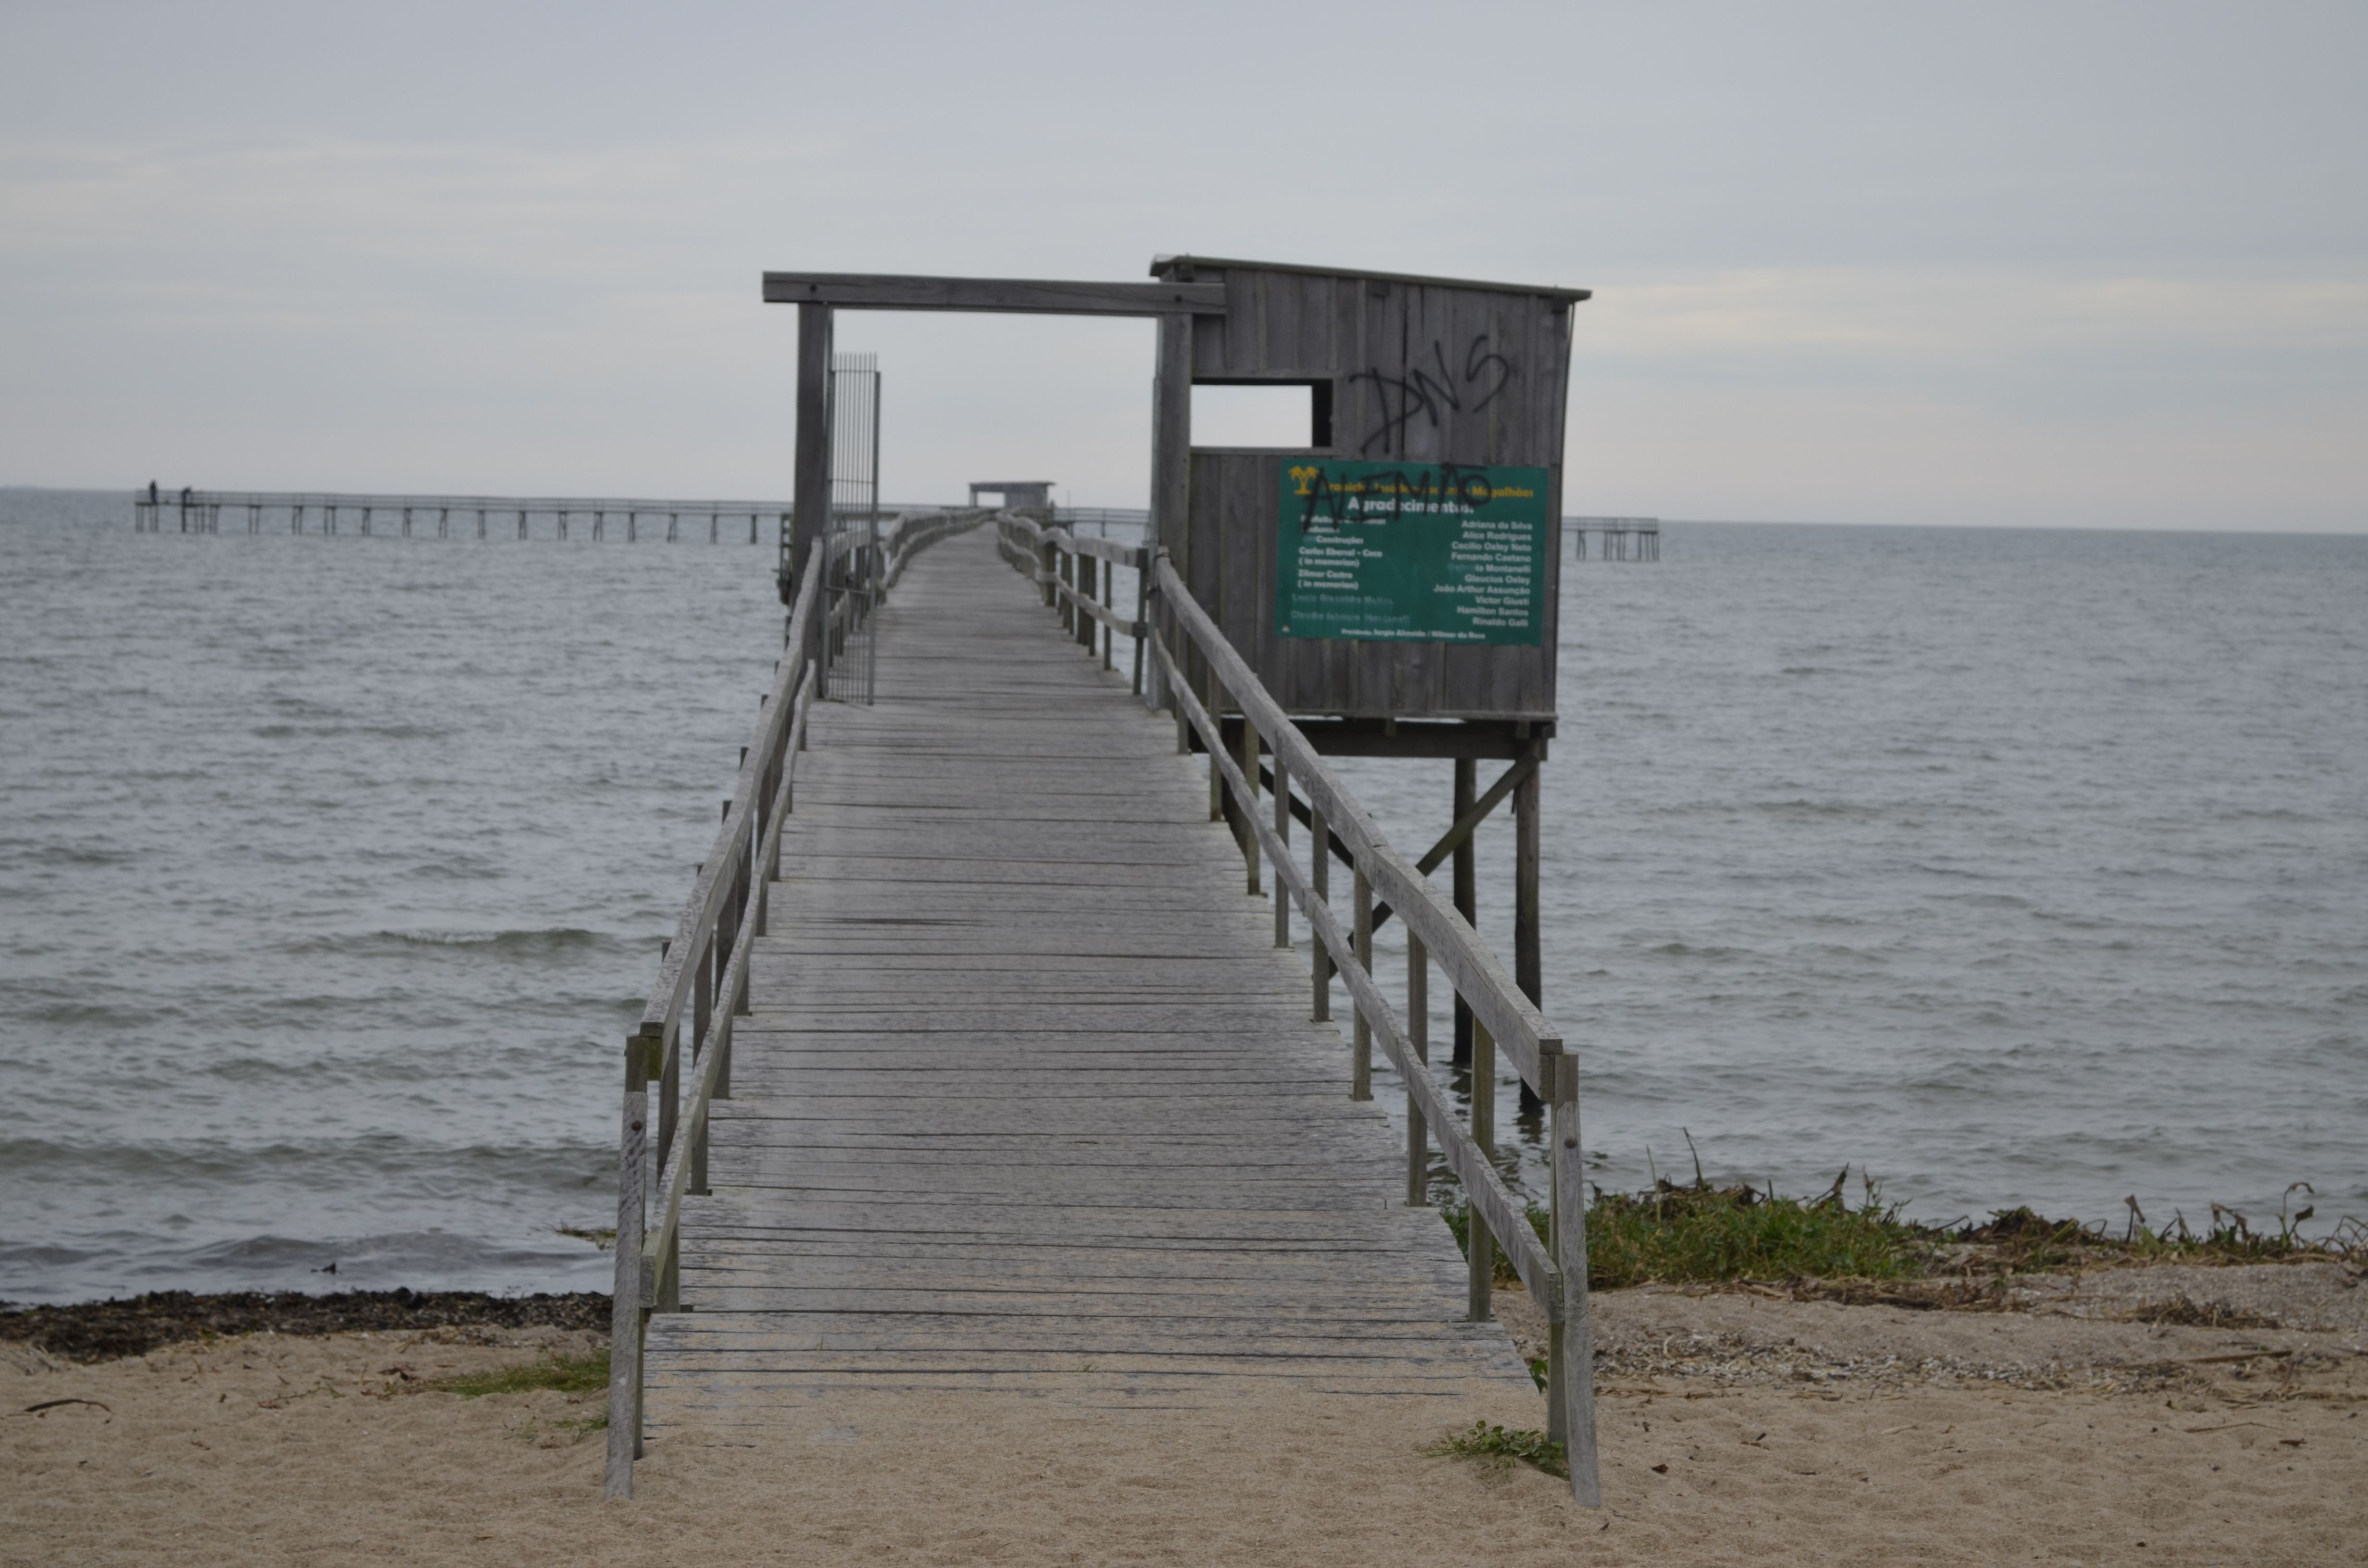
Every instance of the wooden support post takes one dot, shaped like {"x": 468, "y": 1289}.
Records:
{"x": 1109, "y": 635}
{"x": 1319, "y": 872}
{"x": 1417, "y": 1171}
{"x": 1529, "y": 968}
{"x": 809, "y": 516}
{"x": 1467, "y": 901}
{"x": 1172, "y": 455}
{"x": 1361, "y": 1059}
{"x": 1481, "y": 1248}
{"x": 1248, "y": 812}
{"x": 1282, "y": 832}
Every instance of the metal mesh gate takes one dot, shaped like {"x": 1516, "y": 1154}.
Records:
{"x": 853, "y": 548}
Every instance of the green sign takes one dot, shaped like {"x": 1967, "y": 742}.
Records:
{"x": 1412, "y": 552}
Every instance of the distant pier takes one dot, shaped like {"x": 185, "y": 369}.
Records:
{"x": 1616, "y": 539}
{"x": 156, "y": 510}
{"x": 447, "y": 517}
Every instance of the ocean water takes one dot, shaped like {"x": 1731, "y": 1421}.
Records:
{"x": 2009, "y": 867}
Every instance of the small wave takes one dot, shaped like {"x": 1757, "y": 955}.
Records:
{"x": 520, "y": 944}
{"x": 343, "y": 732}
{"x": 1804, "y": 808}
{"x": 77, "y": 855}
{"x": 429, "y": 1259}
{"x": 457, "y": 870}
{"x": 89, "y": 1014}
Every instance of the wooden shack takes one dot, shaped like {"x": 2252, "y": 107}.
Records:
{"x": 1014, "y": 494}
{"x": 1402, "y": 564}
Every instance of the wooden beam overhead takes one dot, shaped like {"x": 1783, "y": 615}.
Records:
{"x": 889, "y": 292}
{"x": 1183, "y": 269}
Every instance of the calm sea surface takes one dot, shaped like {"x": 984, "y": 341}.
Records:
{"x": 2012, "y": 867}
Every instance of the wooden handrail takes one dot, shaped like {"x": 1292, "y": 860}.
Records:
{"x": 1515, "y": 1023}
{"x": 704, "y": 970}
{"x": 1554, "y": 1271}
{"x": 664, "y": 1010}
{"x": 1506, "y": 1216}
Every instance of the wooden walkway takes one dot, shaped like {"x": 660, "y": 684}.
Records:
{"x": 1028, "y": 1100}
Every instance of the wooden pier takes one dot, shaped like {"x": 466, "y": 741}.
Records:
{"x": 1025, "y": 1097}
{"x": 979, "y": 1059}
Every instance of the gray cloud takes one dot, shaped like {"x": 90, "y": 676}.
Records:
{"x": 2015, "y": 263}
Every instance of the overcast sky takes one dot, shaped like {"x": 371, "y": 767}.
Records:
{"x": 2062, "y": 264}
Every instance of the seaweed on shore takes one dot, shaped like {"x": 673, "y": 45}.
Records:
{"x": 103, "y": 1331}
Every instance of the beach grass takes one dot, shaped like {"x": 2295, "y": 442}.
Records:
{"x": 586, "y": 1373}
{"x": 1698, "y": 1232}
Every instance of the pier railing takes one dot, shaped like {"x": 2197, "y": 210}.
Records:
{"x": 1383, "y": 882}
{"x": 1076, "y": 573}
{"x": 682, "y": 1048}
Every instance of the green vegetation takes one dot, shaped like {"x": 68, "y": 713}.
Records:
{"x": 587, "y": 1373}
{"x": 1701, "y": 1233}
{"x": 1706, "y": 1233}
{"x": 1499, "y": 1446}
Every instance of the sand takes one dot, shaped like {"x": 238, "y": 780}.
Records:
{"x": 1736, "y": 1429}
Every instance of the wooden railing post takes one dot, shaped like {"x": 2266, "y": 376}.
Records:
{"x": 1570, "y": 1343}
{"x": 1249, "y": 805}
{"x": 1142, "y": 614}
{"x": 670, "y": 1083}
{"x": 1209, "y": 700}
{"x": 1418, "y": 1034}
{"x": 1360, "y": 1066}
{"x": 1282, "y": 831}
{"x": 625, "y": 1304}
{"x": 1319, "y": 872}
{"x": 1467, "y": 898}
{"x": 1480, "y": 1250}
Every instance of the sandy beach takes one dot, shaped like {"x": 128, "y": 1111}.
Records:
{"x": 2100, "y": 1424}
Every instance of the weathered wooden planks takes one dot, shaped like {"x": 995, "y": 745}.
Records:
{"x": 1026, "y": 1098}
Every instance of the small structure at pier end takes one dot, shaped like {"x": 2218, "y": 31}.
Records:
{"x": 1014, "y": 495}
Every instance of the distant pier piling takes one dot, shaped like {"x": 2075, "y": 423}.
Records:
{"x": 1616, "y": 539}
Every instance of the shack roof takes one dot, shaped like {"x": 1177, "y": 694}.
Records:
{"x": 1181, "y": 269}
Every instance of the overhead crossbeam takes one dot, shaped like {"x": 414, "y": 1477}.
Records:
{"x": 1029, "y": 296}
